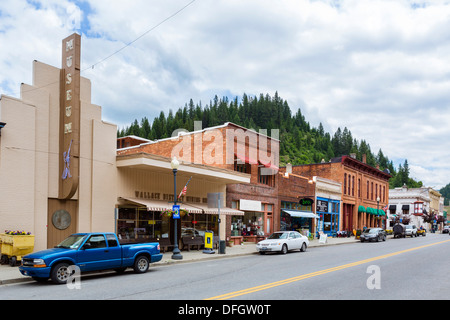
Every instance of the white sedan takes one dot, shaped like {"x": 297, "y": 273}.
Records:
{"x": 283, "y": 241}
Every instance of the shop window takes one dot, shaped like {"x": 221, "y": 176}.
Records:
{"x": 198, "y": 224}
{"x": 138, "y": 224}
{"x": 251, "y": 224}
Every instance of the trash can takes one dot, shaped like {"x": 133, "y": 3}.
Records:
{"x": 222, "y": 246}
{"x": 14, "y": 247}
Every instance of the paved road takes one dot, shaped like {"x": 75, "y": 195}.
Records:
{"x": 401, "y": 269}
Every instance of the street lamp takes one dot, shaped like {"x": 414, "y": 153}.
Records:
{"x": 176, "y": 254}
{"x": 378, "y": 205}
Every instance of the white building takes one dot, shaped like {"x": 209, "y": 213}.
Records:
{"x": 412, "y": 203}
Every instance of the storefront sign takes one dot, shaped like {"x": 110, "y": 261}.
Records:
{"x": 306, "y": 202}
{"x": 322, "y": 206}
{"x": 249, "y": 205}
{"x": 70, "y": 116}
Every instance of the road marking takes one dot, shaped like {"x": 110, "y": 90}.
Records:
{"x": 314, "y": 274}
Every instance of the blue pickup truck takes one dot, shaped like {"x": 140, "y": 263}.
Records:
{"x": 89, "y": 251}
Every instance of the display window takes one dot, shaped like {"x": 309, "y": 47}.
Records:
{"x": 138, "y": 224}
{"x": 198, "y": 224}
{"x": 251, "y": 224}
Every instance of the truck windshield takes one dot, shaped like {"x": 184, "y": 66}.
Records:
{"x": 72, "y": 242}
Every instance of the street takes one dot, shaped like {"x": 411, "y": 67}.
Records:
{"x": 410, "y": 268}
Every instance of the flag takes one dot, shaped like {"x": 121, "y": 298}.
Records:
{"x": 385, "y": 208}
{"x": 184, "y": 191}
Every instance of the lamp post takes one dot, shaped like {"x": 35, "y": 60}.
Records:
{"x": 378, "y": 205}
{"x": 176, "y": 254}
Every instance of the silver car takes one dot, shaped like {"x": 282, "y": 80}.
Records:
{"x": 283, "y": 241}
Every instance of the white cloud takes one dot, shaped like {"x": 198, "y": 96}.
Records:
{"x": 378, "y": 67}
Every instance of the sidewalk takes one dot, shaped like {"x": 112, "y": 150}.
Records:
{"x": 10, "y": 274}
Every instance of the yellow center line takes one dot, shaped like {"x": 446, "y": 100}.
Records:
{"x": 314, "y": 274}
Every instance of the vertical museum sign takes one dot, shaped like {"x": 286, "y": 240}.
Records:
{"x": 70, "y": 116}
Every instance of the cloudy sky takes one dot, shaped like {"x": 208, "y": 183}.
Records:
{"x": 378, "y": 67}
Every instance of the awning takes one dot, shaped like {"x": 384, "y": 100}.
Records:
{"x": 393, "y": 207}
{"x": 300, "y": 214}
{"x": 361, "y": 209}
{"x": 161, "y": 205}
{"x": 152, "y": 205}
{"x": 405, "y": 207}
{"x": 203, "y": 208}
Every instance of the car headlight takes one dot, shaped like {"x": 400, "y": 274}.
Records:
{"x": 39, "y": 263}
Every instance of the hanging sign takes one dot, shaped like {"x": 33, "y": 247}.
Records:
{"x": 70, "y": 116}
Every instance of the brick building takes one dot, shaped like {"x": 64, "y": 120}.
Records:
{"x": 229, "y": 150}
{"x": 365, "y": 190}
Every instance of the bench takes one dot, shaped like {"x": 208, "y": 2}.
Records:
{"x": 164, "y": 243}
{"x": 189, "y": 241}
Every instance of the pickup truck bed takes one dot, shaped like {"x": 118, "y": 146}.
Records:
{"x": 89, "y": 252}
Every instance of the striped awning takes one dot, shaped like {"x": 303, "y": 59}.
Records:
{"x": 161, "y": 205}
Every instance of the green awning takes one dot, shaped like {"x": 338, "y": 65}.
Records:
{"x": 381, "y": 212}
{"x": 361, "y": 209}
{"x": 372, "y": 211}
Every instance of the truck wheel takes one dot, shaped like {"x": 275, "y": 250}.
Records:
{"x": 60, "y": 273}
{"x": 141, "y": 264}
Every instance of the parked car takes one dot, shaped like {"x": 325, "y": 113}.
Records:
{"x": 283, "y": 241}
{"x": 89, "y": 251}
{"x": 373, "y": 234}
{"x": 411, "y": 230}
{"x": 399, "y": 230}
{"x": 446, "y": 229}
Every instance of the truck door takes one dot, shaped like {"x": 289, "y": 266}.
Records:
{"x": 96, "y": 255}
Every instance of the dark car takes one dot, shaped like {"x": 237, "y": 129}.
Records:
{"x": 373, "y": 234}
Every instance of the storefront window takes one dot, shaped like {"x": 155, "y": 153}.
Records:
{"x": 251, "y": 224}
{"x": 328, "y": 212}
{"x": 138, "y": 224}
{"x": 197, "y": 224}
{"x": 287, "y": 222}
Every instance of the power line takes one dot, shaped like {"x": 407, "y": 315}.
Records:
{"x": 142, "y": 35}
{"x": 116, "y": 52}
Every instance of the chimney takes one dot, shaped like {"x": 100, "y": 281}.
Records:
{"x": 289, "y": 168}
{"x": 364, "y": 158}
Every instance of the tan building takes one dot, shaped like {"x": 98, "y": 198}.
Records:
{"x": 32, "y": 163}
{"x": 60, "y": 171}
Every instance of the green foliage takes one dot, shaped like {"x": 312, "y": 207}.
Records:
{"x": 300, "y": 142}
{"x": 445, "y": 191}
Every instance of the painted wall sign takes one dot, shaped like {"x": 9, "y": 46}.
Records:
{"x": 70, "y": 116}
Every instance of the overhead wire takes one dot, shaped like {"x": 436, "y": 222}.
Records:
{"x": 119, "y": 50}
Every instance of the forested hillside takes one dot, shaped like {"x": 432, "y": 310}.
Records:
{"x": 301, "y": 143}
